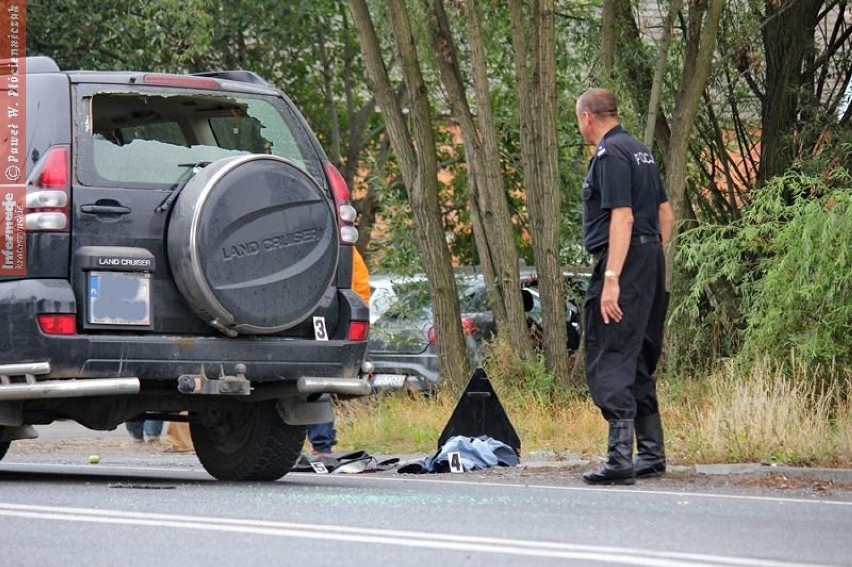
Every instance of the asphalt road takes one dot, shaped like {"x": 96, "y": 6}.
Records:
{"x": 139, "y": 506}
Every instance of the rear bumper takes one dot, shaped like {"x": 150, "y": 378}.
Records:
{"x": 167, "y": 358}
{"x": 267, "y": 359}
{"x": 31, "y": 388}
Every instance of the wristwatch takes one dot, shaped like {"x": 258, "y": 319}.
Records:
{"x": 611, "y": 274}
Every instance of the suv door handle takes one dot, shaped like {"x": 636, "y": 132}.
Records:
{"x": 104, "y": 209}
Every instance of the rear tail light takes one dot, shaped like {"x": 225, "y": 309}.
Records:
{"x": 48, "y": 190}
{"x": 468, "y": 325}
{"x": 358, "y": 330}
{"x": 468, "y": 328}
{"x": 346, "y": 213}
{"x": 57, "y": 323}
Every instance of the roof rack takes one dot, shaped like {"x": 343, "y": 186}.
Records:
{"x": 238, "y": 75}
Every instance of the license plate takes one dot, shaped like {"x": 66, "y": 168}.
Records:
{"x": 389, "y": 380}
{"x": 119, "y": 298}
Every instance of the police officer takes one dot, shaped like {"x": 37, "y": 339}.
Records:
{"x": 626, "y": 220}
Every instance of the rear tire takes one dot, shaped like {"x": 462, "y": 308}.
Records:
{"x": 246, "y": 442}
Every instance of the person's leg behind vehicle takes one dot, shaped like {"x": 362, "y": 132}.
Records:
{"x": 322, "y": 437}
{"x": 135, "y": 428}
{"x": 153, "y": 429}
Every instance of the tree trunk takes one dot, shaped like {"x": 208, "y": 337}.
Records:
{"x": 492, "y": 224}
{"x": 702, "y": 30}
{"x": 607, "y": 42}
{"x": 673, "y": 141}
{"x": 788, "y": 34}
{"x": 638, "y": 77}
{"x": 535, "y": 68}
{"x": 368, "y": 206}
{"x": 659, "y": 71}
{"x": 418, "y": 164}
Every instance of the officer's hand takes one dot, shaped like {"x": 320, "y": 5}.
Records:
{"x": 609, "y": 301}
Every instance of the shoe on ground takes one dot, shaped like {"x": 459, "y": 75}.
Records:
{"x": 650, "y": 470}
{"x": 610, "y": 477}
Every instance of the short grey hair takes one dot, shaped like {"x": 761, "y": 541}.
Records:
{"x": 598, "y": 101}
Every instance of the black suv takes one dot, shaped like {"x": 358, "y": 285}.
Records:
{"x": 188, "y": 249}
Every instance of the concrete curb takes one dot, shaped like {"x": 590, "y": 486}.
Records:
{"x": 834, "y": 475}
{"x": 566, "y": 460}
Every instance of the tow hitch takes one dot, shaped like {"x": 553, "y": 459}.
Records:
{"x": 237, "y": 385}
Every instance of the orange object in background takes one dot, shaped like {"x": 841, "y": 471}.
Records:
{"x": 360, "y": 276}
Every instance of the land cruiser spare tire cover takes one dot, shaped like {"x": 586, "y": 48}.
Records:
{"x": 252, "y": 244}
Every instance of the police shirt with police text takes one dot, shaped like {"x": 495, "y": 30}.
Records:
{"x": 622, "y": 173}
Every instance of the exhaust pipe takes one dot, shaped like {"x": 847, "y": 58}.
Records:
{"x": 342, "y": 386}
{"x": 69, "y": 388}
{"x": 309, "y": 385}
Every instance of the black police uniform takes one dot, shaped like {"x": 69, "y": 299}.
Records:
{"x": 621, "y": 357}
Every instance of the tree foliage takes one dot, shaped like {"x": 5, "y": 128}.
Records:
{"x": 772, "y": 104}
{"x": 781, "y": 271}
{"x": 770, "y": 124}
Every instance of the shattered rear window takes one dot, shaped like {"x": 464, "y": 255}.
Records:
{"x": 152, "y": 139}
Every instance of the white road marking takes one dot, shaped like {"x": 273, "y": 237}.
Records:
{"x": 445, "y": 542}
{"x": 608, "y": 490}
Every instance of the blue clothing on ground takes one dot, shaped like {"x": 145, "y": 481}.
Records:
{"x": 474, "y": 453}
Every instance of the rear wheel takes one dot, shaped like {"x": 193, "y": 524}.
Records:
{"x": 246, "y": 442}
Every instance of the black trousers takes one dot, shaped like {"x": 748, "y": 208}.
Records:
{"x": 621, "y": 358}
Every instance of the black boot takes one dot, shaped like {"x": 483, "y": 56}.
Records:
{"x": 618, "y": 468}
{"x": 650, "y": 451}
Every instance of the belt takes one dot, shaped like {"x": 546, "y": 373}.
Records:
{"x": 634, "y": 241}
{"x": 646, "y": 239}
